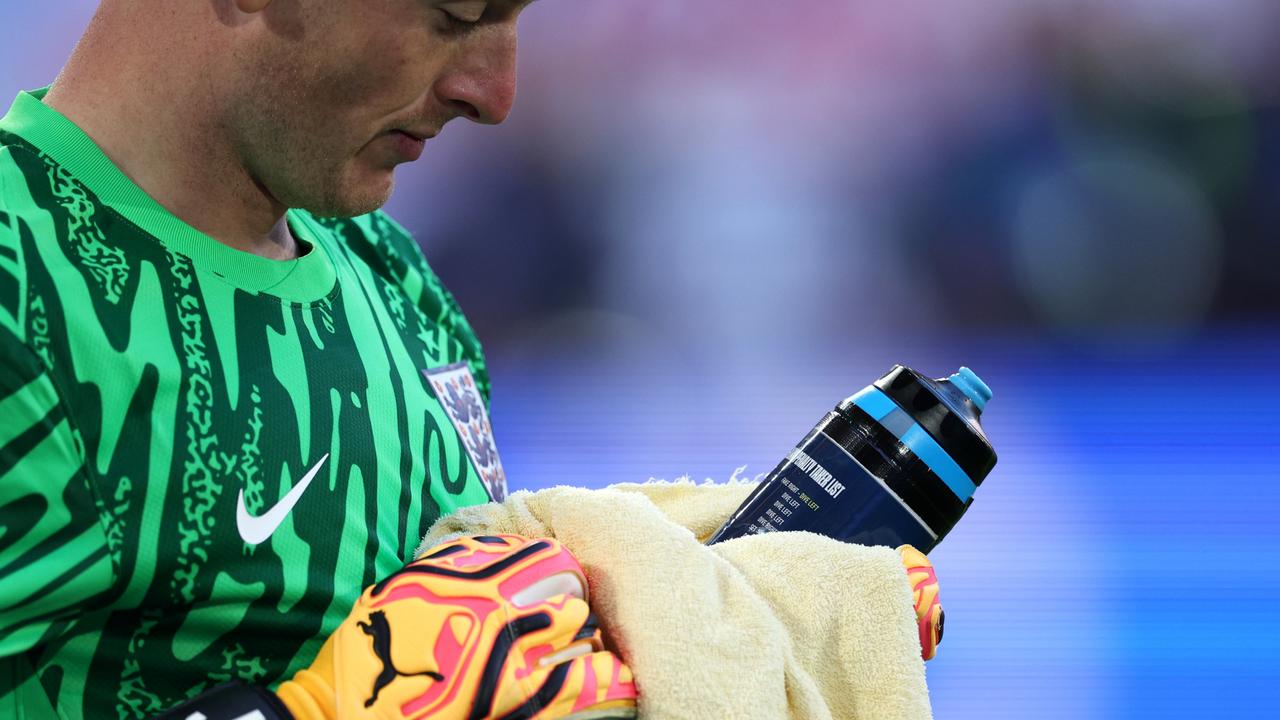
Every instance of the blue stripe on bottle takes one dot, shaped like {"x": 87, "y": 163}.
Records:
{"x": 874, "y": 403}
{"x": 928, "y": 450}
{"x": 881, "y": 407}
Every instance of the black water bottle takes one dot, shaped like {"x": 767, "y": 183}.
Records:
{"x": 896, "y": 463}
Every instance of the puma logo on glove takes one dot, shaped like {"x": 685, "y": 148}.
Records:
{"x": 380, "y": 630}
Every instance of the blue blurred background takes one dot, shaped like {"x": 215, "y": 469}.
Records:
{"x": 706, "y": 223}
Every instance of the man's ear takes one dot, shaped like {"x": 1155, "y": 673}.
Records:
{"x": 252, "y": 6}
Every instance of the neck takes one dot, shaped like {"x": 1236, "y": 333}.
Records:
{"x": 141, "y": 103}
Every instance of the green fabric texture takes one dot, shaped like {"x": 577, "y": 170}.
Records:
{"x": 156, "y": 384}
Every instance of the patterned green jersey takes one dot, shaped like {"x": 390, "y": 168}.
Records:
{"x": 205, "y": 455}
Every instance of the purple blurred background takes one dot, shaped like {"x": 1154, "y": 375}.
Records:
{"x": 704, "y": 225}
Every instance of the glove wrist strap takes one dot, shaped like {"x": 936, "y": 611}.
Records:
{"x": 230, "y": 701}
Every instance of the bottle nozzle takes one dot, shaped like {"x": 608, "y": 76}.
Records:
{"x": 968, "y": 382}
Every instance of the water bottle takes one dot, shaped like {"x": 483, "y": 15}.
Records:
{"x": 896, "y": 463}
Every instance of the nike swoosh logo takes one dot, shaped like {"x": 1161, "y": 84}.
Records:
{"x": 254, "y": 530}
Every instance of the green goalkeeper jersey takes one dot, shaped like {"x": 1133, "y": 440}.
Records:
{"x": 205, "y": 455}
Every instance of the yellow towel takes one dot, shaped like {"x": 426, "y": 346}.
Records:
{"x": 782, "y": 625}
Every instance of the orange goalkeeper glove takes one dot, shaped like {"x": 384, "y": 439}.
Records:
{"x": 924, "y": 595}
{"x": 480, "y": 627}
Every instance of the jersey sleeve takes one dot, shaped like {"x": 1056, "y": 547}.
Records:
{"x": 425, "y": 288}
{"x": 54, "y": 553}
{"x": 391, "y": 251}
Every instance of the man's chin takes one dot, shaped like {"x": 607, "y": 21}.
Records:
{"x": 354, "y": 199}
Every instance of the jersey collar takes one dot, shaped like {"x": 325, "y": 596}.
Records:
{"x": 302, "y": 280}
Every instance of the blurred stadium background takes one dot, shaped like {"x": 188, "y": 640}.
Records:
{"x": 705, "y": 224}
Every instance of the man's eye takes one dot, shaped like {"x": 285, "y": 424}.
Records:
{"x": 455, "y": 24}
{"x": 461, "y": 15}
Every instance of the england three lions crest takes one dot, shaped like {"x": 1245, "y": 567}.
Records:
{"x": 456, "y": 390}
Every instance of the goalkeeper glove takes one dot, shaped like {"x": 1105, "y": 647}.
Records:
{"x": 478, "y": 628}
{"x": 924, "y": 595}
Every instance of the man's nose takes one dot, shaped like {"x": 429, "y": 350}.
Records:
{"x": 481, "y": 83}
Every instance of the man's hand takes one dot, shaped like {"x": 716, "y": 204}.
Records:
{"x": 480, "y": 627}
{"x": 924, "y": 594}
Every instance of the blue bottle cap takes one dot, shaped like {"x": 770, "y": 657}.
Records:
{"x": 968, "y": 382}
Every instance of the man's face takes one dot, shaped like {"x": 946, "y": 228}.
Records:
{"x": 333, "y": 94}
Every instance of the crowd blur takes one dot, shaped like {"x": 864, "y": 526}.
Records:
{"x": 700, "y": 176}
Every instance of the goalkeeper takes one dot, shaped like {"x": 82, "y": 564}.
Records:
{"x": 233, "y": 395}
